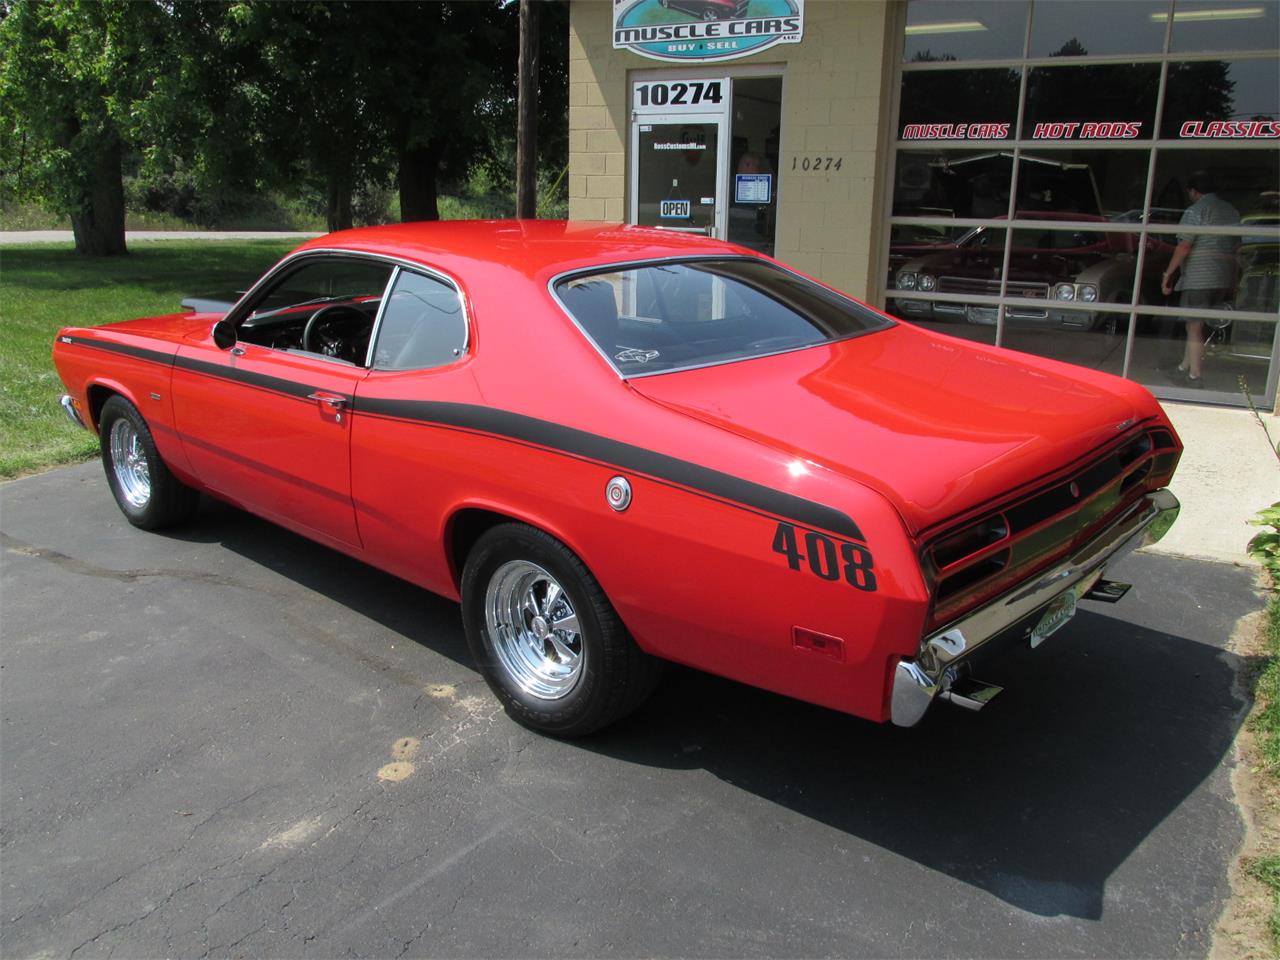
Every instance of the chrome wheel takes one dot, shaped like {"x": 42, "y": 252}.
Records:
{"x": 534, "y": 630}
{"x": 129, "y": 464}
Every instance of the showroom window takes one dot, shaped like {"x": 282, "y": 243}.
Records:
{"x": 1051, "y": 156}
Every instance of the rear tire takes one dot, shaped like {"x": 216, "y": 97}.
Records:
{"x": 546, "y": 638}
{"x": 148, "y": 494}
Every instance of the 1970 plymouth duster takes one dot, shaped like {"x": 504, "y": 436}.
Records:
{"x": 619, "y": 446}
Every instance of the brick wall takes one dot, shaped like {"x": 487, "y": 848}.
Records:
{"x": 835, "y": 103}
{"x": 598, "y": 117}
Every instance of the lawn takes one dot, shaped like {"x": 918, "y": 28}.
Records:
{"x": 48, "y": 286}
{"x": 1266, "y": 721}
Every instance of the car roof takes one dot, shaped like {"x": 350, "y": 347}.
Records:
{"x": 533, "y": 247}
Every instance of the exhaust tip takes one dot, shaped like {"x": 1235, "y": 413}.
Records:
{"x": 1108, "y": 591}
{"x": 969, "y": 693}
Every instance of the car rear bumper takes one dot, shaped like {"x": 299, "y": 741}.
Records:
{"x": 916, "y": 683}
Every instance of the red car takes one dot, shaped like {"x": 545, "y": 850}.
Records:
{"x": 709, "y": 9}
{"x": 618, "y": 446}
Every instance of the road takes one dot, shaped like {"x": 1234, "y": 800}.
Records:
{"x": 14, "y": 237}
{"x": 229, "y": 741}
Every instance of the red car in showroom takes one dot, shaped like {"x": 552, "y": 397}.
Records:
{"x": 618, "y": 446}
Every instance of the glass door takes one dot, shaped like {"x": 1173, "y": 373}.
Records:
{"x": 677, "y": 174}
{"x": 679, "y": 160}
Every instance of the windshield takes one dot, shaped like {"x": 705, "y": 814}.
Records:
{"x": 658, "y": 317}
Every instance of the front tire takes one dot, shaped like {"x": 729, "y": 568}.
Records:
{"x": 148, "y": 494}
{"x": 545, "y": 636}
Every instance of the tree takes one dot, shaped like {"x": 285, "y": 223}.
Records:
{"x": 71, "y": 75}
{"x": 335, "y": 95}
{"x": 345, "y": 92}
{"x": 444, "y": 99}
{"x": 311, "y": 70}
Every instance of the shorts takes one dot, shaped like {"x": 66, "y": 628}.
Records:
{"x": 1205, "y": 299}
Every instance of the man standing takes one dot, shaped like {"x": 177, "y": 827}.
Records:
{"x": 1207, "y": 265}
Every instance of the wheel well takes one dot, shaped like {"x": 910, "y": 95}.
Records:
{"x": 465, "y": 528}
{"x": 98, "y": 395}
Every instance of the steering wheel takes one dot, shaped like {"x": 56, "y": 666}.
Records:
{"x": 334, "y": 332}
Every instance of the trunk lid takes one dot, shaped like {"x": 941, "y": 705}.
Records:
{"x": 937, "y": 425}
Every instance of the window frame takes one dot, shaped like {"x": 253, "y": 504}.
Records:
{"x": 576, "y": 273}
{"x": 241, "y": 309}
{"x": 882, "y": 291}
{"x": 400, "y": 268}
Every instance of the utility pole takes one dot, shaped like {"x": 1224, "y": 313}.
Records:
{"x": 527, "y": 114}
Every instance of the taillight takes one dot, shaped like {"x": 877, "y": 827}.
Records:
{"x": 950, "y": 550}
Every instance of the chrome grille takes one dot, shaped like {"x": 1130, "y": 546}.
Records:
{"x": 991, "y": 287}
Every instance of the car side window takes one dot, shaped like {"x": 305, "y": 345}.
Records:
{"x": 325, "y": 279}
{"x": 323, "y": 305}
{"x": 423, "y": 325}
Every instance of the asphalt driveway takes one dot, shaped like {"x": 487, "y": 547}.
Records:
{"x": 229, "y": 741}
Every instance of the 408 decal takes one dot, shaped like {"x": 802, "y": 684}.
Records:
{"x": 827, "y": 559}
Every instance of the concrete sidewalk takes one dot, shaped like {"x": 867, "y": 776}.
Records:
{"x": 1227, "y": 474}
{"x": 13, "y": 237}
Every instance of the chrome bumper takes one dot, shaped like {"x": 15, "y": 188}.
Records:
{"x": 917, "y": 682}
{"x": 73, "y": 414}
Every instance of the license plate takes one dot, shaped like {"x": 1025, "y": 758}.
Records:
{"x": 1054, "y": 618}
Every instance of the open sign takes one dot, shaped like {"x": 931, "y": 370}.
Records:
{"x": 674, "y": 210}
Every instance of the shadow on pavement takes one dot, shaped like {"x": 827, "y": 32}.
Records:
{"x": 409, "y": 611}
{"x": 1101, "y": 734}
{"x": 1037, "y": 800}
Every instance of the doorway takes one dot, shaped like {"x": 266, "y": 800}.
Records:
{"x": 704, "y": 157}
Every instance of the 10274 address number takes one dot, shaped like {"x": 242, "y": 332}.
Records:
{"x": 816, "y": 164}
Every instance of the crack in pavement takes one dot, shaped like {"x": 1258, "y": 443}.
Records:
{"x": 87, "y": 569}
{"x": 297, "y": 608}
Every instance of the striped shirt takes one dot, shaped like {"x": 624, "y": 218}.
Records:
{"x": 1212, "y": 262}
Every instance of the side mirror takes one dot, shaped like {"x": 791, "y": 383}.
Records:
{"x": 224, "y": 335}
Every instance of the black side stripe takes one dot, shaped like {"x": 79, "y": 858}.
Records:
{"x": 624, "y": 455}
{"x": 503, "y": 423}
{"x": 140, "y": 353}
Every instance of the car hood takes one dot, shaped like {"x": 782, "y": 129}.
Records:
{"x": 936, "y": 425}
{"x": 173, "y": 327}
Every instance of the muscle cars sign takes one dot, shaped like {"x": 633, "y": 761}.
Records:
{"x": 698, "y": 31}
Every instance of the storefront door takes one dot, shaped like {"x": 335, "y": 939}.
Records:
{"x": 679, "y": 164}
{"x": 704, "y": 157}
{"x": 677, "y": 181}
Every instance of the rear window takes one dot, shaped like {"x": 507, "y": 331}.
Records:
{"x": 658, "y": 317}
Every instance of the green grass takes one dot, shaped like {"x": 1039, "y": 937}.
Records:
{"x": 281, "y": 214}
{"x": 45, "y": 287}
{"x": 29, "y": 216}
{"x": 1267, "y": 720}
{"x": 1266, "y": 725}
{"x": 1267, "y": 869}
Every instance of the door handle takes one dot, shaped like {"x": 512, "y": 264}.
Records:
{"x": 334, "y": 401}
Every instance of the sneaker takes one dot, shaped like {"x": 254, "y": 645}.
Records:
{"x": 1185, "y": 379}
